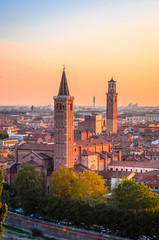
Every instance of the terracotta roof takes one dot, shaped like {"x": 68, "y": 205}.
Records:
{"x": 151, "y": 184}
{"x": 3, "y": 159}
{"x": 147, "y": 175}
{"x": 36, "y": 146}
{"x": 79, "y": 168}
{"x": 150, "y": 164}
{"x": 44, "y": 156}
{"x": 153, "y": 153}
{"x": 92, "y": 142}
{"x": 10, "y": 139}
{"x": 87, "y": 153}
{"x": 114, "y": 174}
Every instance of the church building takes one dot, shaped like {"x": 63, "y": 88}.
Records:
{"x": 63, "y": 126}
{"x": 93, "y": 154}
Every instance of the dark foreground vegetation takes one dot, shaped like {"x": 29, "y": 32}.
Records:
{"x": 121, "y": 222}
{"x": 81, "y": 201}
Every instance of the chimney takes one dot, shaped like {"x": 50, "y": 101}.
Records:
{"x": 105, "y": 161}
{"x": 112, "y": 156}
{"x": 119, "y": 156}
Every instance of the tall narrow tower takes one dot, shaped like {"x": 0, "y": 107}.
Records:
{"x": 111, "y": 108}
{"x": 63, "y": 126}
{"x": 94, "y": 101}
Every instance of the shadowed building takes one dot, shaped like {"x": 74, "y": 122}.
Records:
{"x": 38, "y": 154}
{"x": 111, "y": 108}
{"x": 92, "y": 123}
{"x": 63, "y": 126}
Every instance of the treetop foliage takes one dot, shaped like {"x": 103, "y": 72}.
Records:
{"x": 3, "y": 207}
{"x": 62, "y": 180}
{"x": 27, "y": 186}
{"x": 88, "y": 186}
{"x": 137, "y": 196}
{"x": 4, "y": 135}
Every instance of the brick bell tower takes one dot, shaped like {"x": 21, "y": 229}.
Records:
{"x": 111, "y": 108}
{"x": 63, "y": 126}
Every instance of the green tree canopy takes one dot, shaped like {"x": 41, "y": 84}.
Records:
{"x": 4, "y": 135}
{"x": 137, "y": 196}
{"x": 28, "y": 187}
{"x": 3, "y": 207}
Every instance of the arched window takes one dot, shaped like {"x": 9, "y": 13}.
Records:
{"x": 57, "y": 106}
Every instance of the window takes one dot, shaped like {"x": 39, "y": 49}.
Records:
{"x": 126, "y": 169}
{"x": 70, "y": 106}
{"x": 116, "y": 169}
{"x": 32, "y": 158}
{"x": 57, "y": 106}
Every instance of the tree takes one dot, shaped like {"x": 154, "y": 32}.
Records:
{"x": 89, "y": 186}
{"x": 61, "y": 181}
{"x": 5, "y": 196}
{"x": 137, "y": 196}
{"x": 3, "y": 135}
{"x": 3, "y": 207}
{"x": 27, "y": 187}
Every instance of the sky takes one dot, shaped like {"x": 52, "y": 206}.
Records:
{"x": 94, "y": 39}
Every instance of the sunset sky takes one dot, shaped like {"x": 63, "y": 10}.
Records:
{"x": 95, "y": 39}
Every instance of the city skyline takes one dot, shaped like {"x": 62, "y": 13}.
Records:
{"x": 94, "y": 39}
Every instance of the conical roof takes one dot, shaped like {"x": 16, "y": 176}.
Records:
{"x": 63, "y": 90}
{"x": 112, "y": 80}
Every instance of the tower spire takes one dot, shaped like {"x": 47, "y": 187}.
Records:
{"x": 63, "y": 90}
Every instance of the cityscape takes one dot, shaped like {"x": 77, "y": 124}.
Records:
{"x": 79, "y": 136}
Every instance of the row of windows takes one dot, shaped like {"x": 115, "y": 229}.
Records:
{"x": 62, "y": 107}
{"x": 128, "y": 170}
{"x": 112, "y": 86}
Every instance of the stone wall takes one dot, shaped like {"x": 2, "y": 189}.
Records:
{"x": 54, "y": 230}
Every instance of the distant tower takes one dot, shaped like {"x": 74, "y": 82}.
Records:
{"x": 63, "y": 126}
{"x": 94, "y": 101}
{"x": 111, "y": 108}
